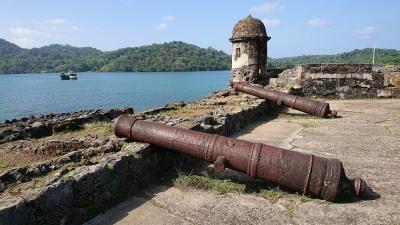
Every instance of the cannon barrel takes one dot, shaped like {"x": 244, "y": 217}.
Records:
{"x": 303, "y": 104}
{"x": 304, "y": 173}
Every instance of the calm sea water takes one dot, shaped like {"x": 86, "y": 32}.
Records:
{"x": 24, "y": 94}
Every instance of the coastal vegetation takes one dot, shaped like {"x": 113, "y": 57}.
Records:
{"x": 172, "y": 56}
{"x": 382, "y": 57}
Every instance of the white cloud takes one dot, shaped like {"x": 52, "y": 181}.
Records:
{"x": 164, "y": 23}
{"x": 29, "y": 37}
{"x": 75, "y": 28}
{"x": 317, "y": 22}
{"x": 366, "y": 32}
{"x": 56, "y": 21}
{"x": 271, "y": 22}
{"x": 22, "y": 31}
{"x": 169, "y": 19}
{"x": 161, "y": 26}
{"x": 267, "y": 7}
{"x": 24, "y": 42}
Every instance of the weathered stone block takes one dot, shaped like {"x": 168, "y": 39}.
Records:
{"x": 392, "y": 79}
{"x": 336, "y": 81}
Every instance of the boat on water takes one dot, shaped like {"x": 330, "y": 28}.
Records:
{"x": 71, "y": 75}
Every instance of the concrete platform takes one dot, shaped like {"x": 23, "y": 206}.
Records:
{"x": 366, "y": 139}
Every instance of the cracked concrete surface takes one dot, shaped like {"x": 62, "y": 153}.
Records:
{"x": 366, "y": 139}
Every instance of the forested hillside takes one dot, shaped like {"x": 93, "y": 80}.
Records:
{"x": 173, "y": 56}
{"x": 382, "y": 56}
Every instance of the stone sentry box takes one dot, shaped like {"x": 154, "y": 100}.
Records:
{"x": 249, "y": 52}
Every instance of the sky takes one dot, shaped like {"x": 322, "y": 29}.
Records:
{"x": 296, "y": 27}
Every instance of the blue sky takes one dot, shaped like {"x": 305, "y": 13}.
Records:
{"x": 297, "y": 27}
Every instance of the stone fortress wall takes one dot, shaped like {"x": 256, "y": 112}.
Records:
{"x": 341, "y": 81}
{"x": 98, "y": 172}
{"x": 245, "y": 62}
{"x": 249, "y": 57}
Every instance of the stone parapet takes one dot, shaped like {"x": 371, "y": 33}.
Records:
{"x": 76, "y": 186}
{"x": 341, "y": 81}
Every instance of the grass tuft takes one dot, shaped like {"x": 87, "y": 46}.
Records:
{"x": 304, "y": 198}
{"x": 307, "y": 125}
{"x": 273, "y": 194}
{"x": 298, "y": 115}
{"x": 290, "y": 211}
{"x": 3, "y": 167}
{"x": 388, "y": 129}
{"x": 208, "y": 183}
{"x": 100, "y": 128}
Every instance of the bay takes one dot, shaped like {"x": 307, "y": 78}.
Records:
{"x": 24, "y": 94}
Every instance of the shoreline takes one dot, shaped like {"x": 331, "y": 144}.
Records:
{"x": 58, "y": 73}
{"x": 102, "y": 91}
{"x": 75, "y": 156}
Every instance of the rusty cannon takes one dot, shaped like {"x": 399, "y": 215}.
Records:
{"x": 303, "y": 104}
{"x": 304, "y": 173}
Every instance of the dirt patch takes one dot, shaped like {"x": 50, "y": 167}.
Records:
{"x": 26, "y": 152}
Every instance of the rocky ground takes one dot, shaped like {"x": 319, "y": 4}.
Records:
{"x": 77, "y": 168}
{"x": 366, "y": 138}
{"x": 68, "y": 168}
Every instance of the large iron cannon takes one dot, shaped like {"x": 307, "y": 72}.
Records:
{"x": 304, "y": 173}
{"x": 303, "y": 104}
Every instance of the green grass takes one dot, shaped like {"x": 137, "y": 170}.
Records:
{"x": 207, "y": 181}
{"x": 305, "y": 198}
{"x": 3, "y": 167}
{"x": 170, "y": 112}
{"x": 110, "y": 167}
{"x": 388, "y": 129}
{"x": 184, "y": 112}
{"x": 298, "y": 115}
{"x": 100, "y": 128}
{"x": 273, "y": 194}
{"x": 307, "y": 125}
{"x": 290, "y": 211}
{"x": 2, "y": 129}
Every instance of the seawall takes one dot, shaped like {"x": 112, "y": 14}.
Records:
{"x": 76, "y": 186}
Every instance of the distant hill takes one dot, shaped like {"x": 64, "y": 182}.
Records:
{"x": 382, "y": 56}
{"x": 173, "y": 56}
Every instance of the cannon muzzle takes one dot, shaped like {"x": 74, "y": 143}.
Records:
{"x": 303, "y": 104}
{"x": 304, "y": 173}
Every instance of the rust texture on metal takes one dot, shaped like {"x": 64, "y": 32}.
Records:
{"x": 305, "y": 173}
{"x": 303, "y": 104}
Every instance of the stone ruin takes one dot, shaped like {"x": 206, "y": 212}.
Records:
{"x": 249, "y": 58}
{"x": 89, "y": 174}
{"x": 339, "y": 81}
{"x": 249, "y": 51}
